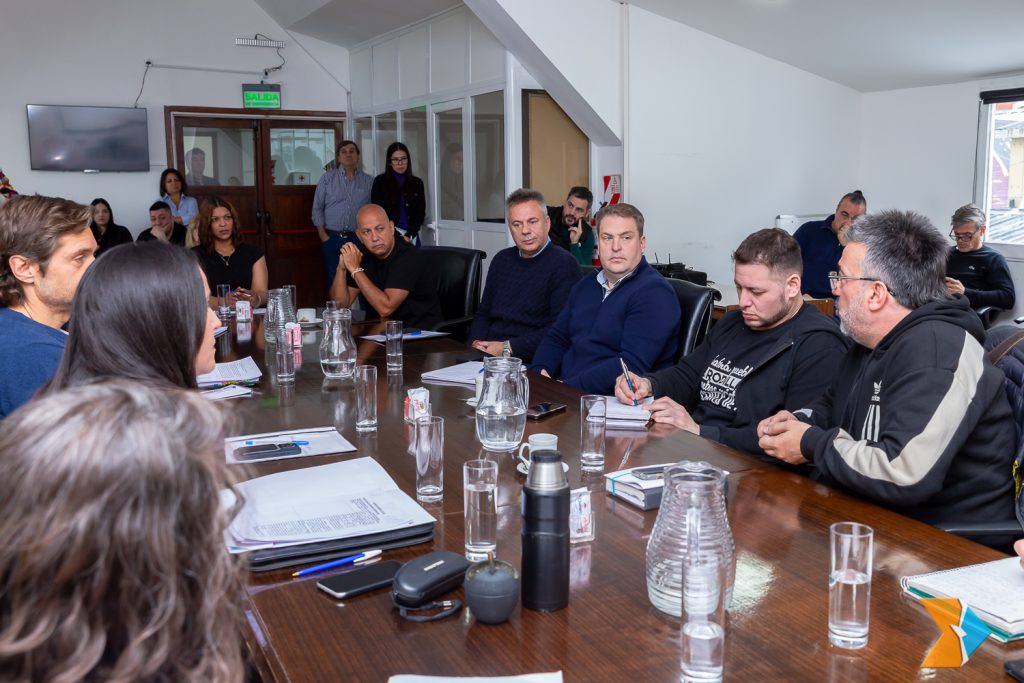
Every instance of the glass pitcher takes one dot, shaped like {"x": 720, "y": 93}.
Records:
{"x": 501, "y": 410}
{"x": 694, "y": 498}
{"x": 337, "y": 348}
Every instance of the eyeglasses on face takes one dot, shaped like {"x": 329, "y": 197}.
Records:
{"x": 399, "y": 160}
{"x": 962, "y": 236}
{"x": 834, "y": 279}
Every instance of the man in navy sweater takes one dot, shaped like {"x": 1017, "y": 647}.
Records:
{"x": 626, "y": 310}
{"x": 527, "y": 285}
{"x": 821, "y": 243}
{"x": 974, "y": 270}
{"x": 45, "y": 248}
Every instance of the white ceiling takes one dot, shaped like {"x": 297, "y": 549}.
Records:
{"x": 868, "y": 45}
{"x": 350, "y": 22}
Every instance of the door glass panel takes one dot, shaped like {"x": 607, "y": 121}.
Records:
{"x": 450, "y": 165}
{"x": 489, "y": 156}
{"x": 387, "y": 132}
{"x": 414, "y": 135}
{"x": 363, "y": 132}
{"x": 225, "y": 156}
{"x": 299, "y": 155}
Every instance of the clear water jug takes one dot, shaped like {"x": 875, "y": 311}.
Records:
{"x": 501, "y": 410}
{"x": 337, "y": 348}
{"x": 279, "y": 312}
{"x": 694, "y": 498}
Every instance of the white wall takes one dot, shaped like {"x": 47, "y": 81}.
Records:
{"x": 93, "y": 53}
{"x": 919, "y": 152}
{"x": 720, "y": 140}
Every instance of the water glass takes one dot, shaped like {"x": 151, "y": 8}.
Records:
{"x": 223, "y": 305}
{"x": 702, "y": 651}
{"x": 366, "y": 398}
{"x": 285, "y": 359}
{"x": 428, "y": 446}
{"x": 393, "y": 340}
{"x": 480, "y": 505}
{"x": 592, "y": 412}
{"x": 332, "y": 305}
{"x": 849, "y": 584}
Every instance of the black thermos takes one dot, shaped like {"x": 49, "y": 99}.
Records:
{"x": 545, "y": 560}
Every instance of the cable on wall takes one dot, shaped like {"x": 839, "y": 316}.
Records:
{"x": 141, "y": 87}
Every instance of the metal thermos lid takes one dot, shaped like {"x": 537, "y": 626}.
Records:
{"x": 546, "y": 471}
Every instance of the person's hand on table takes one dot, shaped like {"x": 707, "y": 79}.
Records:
{"x": 623, "y": 393}
{"x": 243, "y": 294}
{"x": 545, "y": 373}
{"x": 779, "y": 436}
{"x": 666, "y": 411}
{"x": 1018, "y": 548}
{"x": 491, "y": 348}
{"x": 954, "y": 286}
{"x": 351, "y": 257}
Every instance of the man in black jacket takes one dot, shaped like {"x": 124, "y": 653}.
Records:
{"x": 915, "y": 418}
{"x": 774, "y": 353}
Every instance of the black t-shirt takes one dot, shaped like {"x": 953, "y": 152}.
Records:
{"x": 722, "y": 376}
{"x": 405, "y": 268}
{"x": 113, "y": 236}
{"x": 234, "y": 270}
{"x": 177, "y": 235}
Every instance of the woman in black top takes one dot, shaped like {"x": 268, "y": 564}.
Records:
{"x": 107, "y": 233}
{"x": 400, "y": 193}
{"x": 227, "y": 260}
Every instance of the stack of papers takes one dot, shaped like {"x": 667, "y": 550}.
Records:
{"x": 315, "y": 441}
{"x": 623, "y": 416}
{"x": 343, "y": 500}
{"x": 461, "y": 375}
{"x": 244, "y": 371}
{"x": 408, "y": 335}
{"x": 555, "y": 677}
{"x": 230, "y": 391}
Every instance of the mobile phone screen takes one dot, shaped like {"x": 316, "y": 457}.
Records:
{"x": 360, "y": 579}
{"x": 539, "y": 410}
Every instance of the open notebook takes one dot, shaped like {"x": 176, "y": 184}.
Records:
{"x": 994, "y": 590}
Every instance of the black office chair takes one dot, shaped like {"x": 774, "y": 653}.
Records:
{"x": 695, "y": 303}
{"x": 1005, "y": 347}
{"x": 459, "y": 272}
{"x": 988, "y": 315}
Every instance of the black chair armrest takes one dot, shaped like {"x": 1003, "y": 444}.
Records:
{"x": 972, "y": 529}
{"x": 988, "y": 315}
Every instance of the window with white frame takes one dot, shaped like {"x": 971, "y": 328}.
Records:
{"x": 999, "y": 175}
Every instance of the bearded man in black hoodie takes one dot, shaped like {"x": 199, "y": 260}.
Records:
{"x": 774, "y": 353}
{"x": 915, "y": 418}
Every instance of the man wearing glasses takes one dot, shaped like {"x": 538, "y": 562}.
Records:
{"x": 914, "y": 418}
{"x": 977, "y": 272}
{"x": 821, "y": 243}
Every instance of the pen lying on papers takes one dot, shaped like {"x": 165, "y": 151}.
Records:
{"x": 351, "y": 559}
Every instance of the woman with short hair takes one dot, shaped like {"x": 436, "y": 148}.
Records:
{"x": 112, "y": 558}
{"x": 173, "y": 192}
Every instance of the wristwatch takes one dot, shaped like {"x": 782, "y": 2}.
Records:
{"x": 357, "y": 270}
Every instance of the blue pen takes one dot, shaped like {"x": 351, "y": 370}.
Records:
{"x": 351, "y": 559}
{"x": 296, "y": 442}
{"x": 414, "y": 333}
{"x": 629, "y": 383}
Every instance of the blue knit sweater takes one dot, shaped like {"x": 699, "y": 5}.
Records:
{"x": 523, "y": 296}
{"x": 638, "y": 321}
{"x": 31, "y": 355}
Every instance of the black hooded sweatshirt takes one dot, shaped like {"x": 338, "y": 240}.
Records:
{"x": 920, "y": 423}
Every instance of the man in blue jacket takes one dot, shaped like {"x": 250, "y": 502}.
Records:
{"x": 773, "y": 353}
{"x": 915, "y": 418}
{"x": 821, "y": 243}
{"x": 626, "y": 310}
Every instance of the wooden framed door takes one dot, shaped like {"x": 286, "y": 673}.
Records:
{"x": 267, "y": 166}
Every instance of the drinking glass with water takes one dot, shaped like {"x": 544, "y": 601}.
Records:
{"x": 480, "y": 505}
{"x": 849, "y": 584}
{"x": 393, "y": 344}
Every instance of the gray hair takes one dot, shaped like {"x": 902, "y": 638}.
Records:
{"x": 906, "y": 252}
{"x": 523, "y": 195}
{"x": 968, "y": 213}
{"x": 621, "y": 211}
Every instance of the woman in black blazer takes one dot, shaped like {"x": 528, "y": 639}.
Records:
{"x": 401, "y": 193}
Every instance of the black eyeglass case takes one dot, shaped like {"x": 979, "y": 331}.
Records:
{"x": 421, "y": 580}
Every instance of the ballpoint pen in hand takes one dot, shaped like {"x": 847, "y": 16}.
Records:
{"x": 351, "y": 559}
{"x": 629, "y": 382}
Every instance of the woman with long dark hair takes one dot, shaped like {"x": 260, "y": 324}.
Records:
{"x": 400, "y": 193}
{"x": 173, "y": 192}
{"x": 111, "y": 538}
{"x": 225, "y": 258}
{"x": 140, "y": 313}
{"x": 108, "y": 234}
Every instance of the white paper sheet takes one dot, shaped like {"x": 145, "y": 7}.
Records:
{"x": 463, "y": 374}
{"x": 344, "y": 499}
{"x": 242, "y": 370}
{"x": 320, "y": 441}
{"x": 230, "y": 391}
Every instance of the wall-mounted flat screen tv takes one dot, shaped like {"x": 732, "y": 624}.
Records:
{"x": 67, "y": 138}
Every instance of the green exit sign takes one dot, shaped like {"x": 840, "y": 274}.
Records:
{"x": 261, "y": 95}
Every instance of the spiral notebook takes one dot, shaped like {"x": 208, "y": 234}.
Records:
{"x": 994, "y": 590}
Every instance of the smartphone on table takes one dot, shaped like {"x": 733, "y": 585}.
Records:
{"x": 359, "y": 580}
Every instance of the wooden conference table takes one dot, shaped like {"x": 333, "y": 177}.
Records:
{"x": 777, "y": 625}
